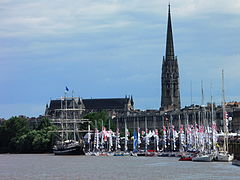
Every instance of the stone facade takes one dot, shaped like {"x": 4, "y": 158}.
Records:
{"x": 190, "y": 115}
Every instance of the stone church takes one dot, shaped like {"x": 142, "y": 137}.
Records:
{"x": 170, "y": 99}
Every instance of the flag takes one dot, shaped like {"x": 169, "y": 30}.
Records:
{"x": 67, "y": 88}
{"x": 135, "y": 141}
{"x": 225, "y": 115}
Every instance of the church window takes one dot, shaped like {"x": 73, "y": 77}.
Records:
{"x": 168, "y": 92}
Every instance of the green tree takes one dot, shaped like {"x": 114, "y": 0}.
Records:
{"x": 16, "y": 136}
{"x": 97, "y": 119}
{"x": 45, "y": 122}
{"x": 9, "y": 130}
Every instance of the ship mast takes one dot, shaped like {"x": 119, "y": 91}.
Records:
{"x": 225, "y": 144}
{"x": 126, "y": 135}
{"x": 146, "y": 135}
{"x": 212, "y": 120}
{"x": 61, "y": 118}
{"x": 66, "y": 115}
{"x": 74, "y": 118}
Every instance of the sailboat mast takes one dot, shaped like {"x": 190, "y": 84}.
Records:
{"x": 134, "y": 134}
{"x": 95, "y": 136}
{"x": 117, "y": 136}
{"x": 146, "y": 135}
{"x": 66, "y": 124}
{"x": 171, "y": 133}
{"x": 89, "y": 138}
{"x": 154, "y": 127}
{"x": 212, "y": 121}
{"x": 74, "y": 118}
{"x": 138, "y": 134}
{"x": 202, "y": 93}
{"x": 61, "y": 121}
{"x": 191, "y": 92}
{"x": 102, "y": 138}
{"x": 204, "y": 119}
{"x": 225, "y": 144}
{"x": 126, "y": 131}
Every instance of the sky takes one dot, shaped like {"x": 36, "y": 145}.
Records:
{"x": 113, "y": 48}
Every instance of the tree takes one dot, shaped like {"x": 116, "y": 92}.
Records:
{"x": 17, "y": 137}
{"x": 9, "y": 130}
{"x": 99, "y": 119}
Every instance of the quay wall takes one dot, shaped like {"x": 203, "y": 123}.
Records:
{"x": 234, "y": 148}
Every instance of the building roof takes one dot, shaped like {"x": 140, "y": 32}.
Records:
{"x": 60, "y": 104}
{"x": 89, "y": 104}
{"x": 113, "y": 103}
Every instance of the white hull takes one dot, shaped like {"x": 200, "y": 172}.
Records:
{"x": 92, "y": 154}
{"x": 203, "y": 158}
{"x": 224, "y": 157}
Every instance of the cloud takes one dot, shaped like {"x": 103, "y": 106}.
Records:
{"x": 200, "y": 8}
{"x": 114, "y": 45}
{"x": 59, "y": 16}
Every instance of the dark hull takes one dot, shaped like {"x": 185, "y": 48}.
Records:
{"x": 185, "y": 159}
{"x": 74, "y": 150}
{"x": 141, "y": 154}
{"x": 236, "y": 162}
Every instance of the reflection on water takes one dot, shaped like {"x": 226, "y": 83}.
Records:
{"x": 50, "y": 167}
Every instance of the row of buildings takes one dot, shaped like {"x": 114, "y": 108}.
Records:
{"x": 121, "y": 111}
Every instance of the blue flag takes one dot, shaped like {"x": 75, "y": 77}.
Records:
{"x": 135, "y": 140}
{"x": 67, "y": 88}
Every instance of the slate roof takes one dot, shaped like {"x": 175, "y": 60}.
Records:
{"x": 113, "y": 103}
{"x": 56, "y": 104}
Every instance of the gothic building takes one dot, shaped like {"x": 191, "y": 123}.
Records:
{"x": 76, "y": 107}
{"x": 170, "y": 99}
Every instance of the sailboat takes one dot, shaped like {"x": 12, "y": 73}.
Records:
{"x": 144, "y": 152}
{"x": 126, "y": 152}
{"x": 117, "y": 139}
{"x": 68, "y": 145}
{"x": 95, "y": 151}
{"x": 205, "y": 154}
{"x": 139, "y": 151}
{"x": 224, "y": 155}
{"x": 87, "y": 137}
{"x": 203, "y": 158}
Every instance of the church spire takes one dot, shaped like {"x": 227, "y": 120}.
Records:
{"x": 170, "y": 74}
{"x": 169, "y": 43}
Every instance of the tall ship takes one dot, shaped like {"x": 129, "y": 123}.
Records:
{"x": 68, "y": 119}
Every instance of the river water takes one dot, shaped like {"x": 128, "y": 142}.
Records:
{"x": 50, "y": 167}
